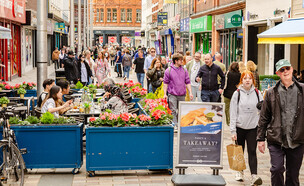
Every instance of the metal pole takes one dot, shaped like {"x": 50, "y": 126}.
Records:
{"x": 72, "y": 30}
{"x": 84, "y": 25}
{"x": 42, "y": 55}
{"x": 79, "y": 28}
{"x": 91, "y": 23}
{"x": 87, "y": 25}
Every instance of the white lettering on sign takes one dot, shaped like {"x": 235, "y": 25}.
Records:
{"x": 9, "y": 5}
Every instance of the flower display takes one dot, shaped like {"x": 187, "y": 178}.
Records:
{"x": 138, "y": 92}
{"x": 25, "y": 85}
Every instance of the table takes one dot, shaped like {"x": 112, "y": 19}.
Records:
{"x": 97, "y": 112}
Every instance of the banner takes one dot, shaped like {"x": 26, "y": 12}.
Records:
{"x": 100, "y": 39}
{"x": 200, "y": 134}
{"x": 170, "y": 1}
{"x": 112, "y": 39}
{"x": 126, "y": 40}
{"x": 162, "y": 18}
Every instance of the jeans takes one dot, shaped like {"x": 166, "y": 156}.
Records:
{"x": 210, "y": 95}
{"x": 140, "y": 78}
{"x": 195, "y": 93}
{"x": 149, "y": 86}
{"x": 90, "y": 81}
{"x": 293, "y": 158}
{"x": 173, "y": 102}
{"x": 249, "y": 135}
{"x": 126, "y": 71}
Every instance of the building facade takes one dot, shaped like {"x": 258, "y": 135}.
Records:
{"x": 117, "y": 22}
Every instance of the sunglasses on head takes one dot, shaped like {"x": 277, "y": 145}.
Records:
{"x": 283, "y": 69}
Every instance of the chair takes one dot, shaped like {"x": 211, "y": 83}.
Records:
{"x": 133, "y": 111}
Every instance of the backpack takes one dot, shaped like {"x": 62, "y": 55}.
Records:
{"x": 259, "y": 104}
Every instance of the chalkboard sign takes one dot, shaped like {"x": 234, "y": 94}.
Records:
{"x": 200, "y": 134}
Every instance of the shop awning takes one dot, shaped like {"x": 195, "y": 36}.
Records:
{"x": 288, "y": 32}
{"x": 5, "y": 33}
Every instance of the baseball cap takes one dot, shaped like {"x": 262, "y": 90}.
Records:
{"x": 282, "y": 63}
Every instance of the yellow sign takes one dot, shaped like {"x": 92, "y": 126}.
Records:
{"x": 171, "y": 1}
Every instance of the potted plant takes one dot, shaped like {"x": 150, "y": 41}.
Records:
{"x": 79, "y": 85}
{"x": 21, "y": 92}
{"x": 93, "y": 91}
{"x": 87, "y": 108}
{"x": 4, "y": 101}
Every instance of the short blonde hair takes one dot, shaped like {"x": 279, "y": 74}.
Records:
{"x": 251, "y": 66}
{"x": 242, "y": 67}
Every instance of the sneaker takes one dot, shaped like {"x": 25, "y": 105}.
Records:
{"x": 239, "y": 176}
{"x": 256, "y": 180}
{"x": 175, "y": 128}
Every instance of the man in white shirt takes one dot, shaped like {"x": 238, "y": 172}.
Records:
{"x": 193, "y": 67}
{"x": 147, "y": 65}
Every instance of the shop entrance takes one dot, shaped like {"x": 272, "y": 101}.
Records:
{"x": 203, "y": 42}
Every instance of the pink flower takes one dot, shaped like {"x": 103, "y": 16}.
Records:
{"x": 7, "y": 87}
{"x": 92, "y": 119}
{"x": 102, "y": 117}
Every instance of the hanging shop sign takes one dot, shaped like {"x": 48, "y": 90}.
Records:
{"x": 112, "y": 39}
{"x": 100, "y": 39}
{"x": 200, "y": 134}
{"x": 202, "y": 24}
{"x": 233, "y": 19}
{"x": 49, "y": 27}
{"x": 66, "y": 30}
{"x": 170, "y": 1}
{"x": 61, "y": 25}
{"x": 137, "y": 33}
{"x": 219, "y": 22}
{"x": 184, "y": 25}
{"x": 142, "y": 34}
{"x": 13, "y": 10}
{"x": 162, "y": 18}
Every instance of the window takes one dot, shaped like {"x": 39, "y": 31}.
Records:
{"x": 123, "y": 15}
{"x": 109, "y": 15}
{"x": 97, "y": 15}
{"x": 101, "y": 15}
{"x": 138, "y": 15}
{"x": 114, "y": 11}
{"x": 129, "y": 15}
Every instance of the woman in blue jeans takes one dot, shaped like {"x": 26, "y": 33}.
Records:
{"x": 126, "y": 63}
{"x": 139, "y": 69}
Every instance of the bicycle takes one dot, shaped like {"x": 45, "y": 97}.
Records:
{"x": 12, "y": 164}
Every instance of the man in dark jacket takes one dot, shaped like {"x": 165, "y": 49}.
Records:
{"x": 281, "y": 122}
{"x": 209, "y": 72}
{"x": 71, "y": 68}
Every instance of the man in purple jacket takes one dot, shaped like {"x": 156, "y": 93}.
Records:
{"x": 176, "y": 80}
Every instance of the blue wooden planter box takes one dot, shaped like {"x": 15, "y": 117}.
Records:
{"x": 129, "y": 148}
{"x": 51, "y": 146}
{"x": 30, "y": 93}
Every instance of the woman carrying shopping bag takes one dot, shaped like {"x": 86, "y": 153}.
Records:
{"x": 244, "y": 117}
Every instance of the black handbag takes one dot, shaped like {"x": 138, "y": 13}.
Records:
{"x": 156, "y": 84}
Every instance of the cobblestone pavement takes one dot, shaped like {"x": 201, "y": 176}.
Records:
{"x": 58, "y": 177}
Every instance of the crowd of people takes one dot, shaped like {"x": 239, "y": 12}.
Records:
{"x": 276, "y": 115}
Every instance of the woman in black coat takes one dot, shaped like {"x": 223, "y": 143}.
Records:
{"x": 233, "y": 77}
{"x": 84, "y": 70}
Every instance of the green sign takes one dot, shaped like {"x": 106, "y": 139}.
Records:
{"x": 61, "y": 25}
{"x": 233, "y": 19}
{"x": 202, "y": 24}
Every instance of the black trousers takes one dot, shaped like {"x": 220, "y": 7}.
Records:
{"x": 293, "y": 158}
{"x": 249, "y": 135}
{"x": 118, "y": 69}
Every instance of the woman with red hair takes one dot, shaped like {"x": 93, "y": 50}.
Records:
{"x": 244, "y": 117}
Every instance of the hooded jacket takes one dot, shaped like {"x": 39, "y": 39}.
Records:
{"x": 243, "y": 113}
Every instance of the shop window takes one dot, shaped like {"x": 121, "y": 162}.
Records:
{"x": 138, "y": 15}
{"x": 109, "y": 15}
{"x": 97, "y": 15}
{"x": 123, "y": 15}
{"x": 114, "y": 12}
{"x": 101, "y": 15}
{"x": 129, "y": 15}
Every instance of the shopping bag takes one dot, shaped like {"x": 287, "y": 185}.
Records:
{"x": 159, "y": 93}
{"x": 187, "y": 98}
{"x": 236, "y": 157}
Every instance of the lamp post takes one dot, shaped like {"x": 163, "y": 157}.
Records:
{"x": 79, "y": 28}
{"x": 84, "y": 25}
{"x": 72, "y": 30}
{"x": 42, "y": 55}
{"x": 91, "y": 23}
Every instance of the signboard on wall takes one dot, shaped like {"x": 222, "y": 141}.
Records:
{"x": 184, "y": 24}
{"x": 170, "y": 1}
{"x": 100, "y": 39}
{"x": 126, "y": 40}
{"x": 201, "y": 24}
{"x": 200, "y": 134}
{"x": 162, "y": 18}
{"x": 13, "y": 10}
{"x": 112, "y": 39}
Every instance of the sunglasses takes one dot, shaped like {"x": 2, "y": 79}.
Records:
{"x": 283, "y": 69}
{"x": 152, "y": 51}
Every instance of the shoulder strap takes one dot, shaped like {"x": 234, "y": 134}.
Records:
{"x": 256, "y": 91}
{"x": 239, "y": 95}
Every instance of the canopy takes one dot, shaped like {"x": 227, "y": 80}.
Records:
{"x": 288, "y": 32}
{"x": 5, "y": 33}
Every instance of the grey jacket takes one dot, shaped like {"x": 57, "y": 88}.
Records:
{"x": 244, "y": 114}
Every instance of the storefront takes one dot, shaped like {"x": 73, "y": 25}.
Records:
{"x": 12, "y": 15}
{"x": 229, "y": 27}
{"x": 184, "y": 39}
{"x": 201, "y": 29}
{"x": 168, "y": 41}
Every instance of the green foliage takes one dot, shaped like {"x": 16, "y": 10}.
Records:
{"x": 150, "y": 96}
{"x": 47, "y": 118}
{"x": 93, "y": 91}
{"x": 4, "y": 100}
{"x": 85, "y": 88}
{"x": 14, "y": 120}
{"x": 32, "y": 120}
{"x": 21, "y": 91}
{"x": 92, "y": 86}
{"x": 86, "y": 105}
{"x": 108, "y": 111}
{"x": 274, "y": 77}
{"x": 79, "y": 85}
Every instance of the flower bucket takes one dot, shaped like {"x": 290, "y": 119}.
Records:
{"x": 4, "y": 105}
{"x": 22, "y": 96}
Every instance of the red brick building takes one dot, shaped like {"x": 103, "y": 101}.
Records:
{"x": 116, "y": 21}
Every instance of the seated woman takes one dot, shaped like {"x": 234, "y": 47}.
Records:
{"x": 52, "y": 102}
{"x": 115, "y": 101}
{"x": 156, "y": 73}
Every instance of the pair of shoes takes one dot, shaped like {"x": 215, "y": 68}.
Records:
{"x": 256, "y": 180}
{"x": 239, "y": 176}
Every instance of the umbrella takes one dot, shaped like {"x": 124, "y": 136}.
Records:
{"x": 5, "y": 33}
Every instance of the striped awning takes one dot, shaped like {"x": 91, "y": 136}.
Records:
{"x": 5, "y": 33}
{"x": 288, "y": 32}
